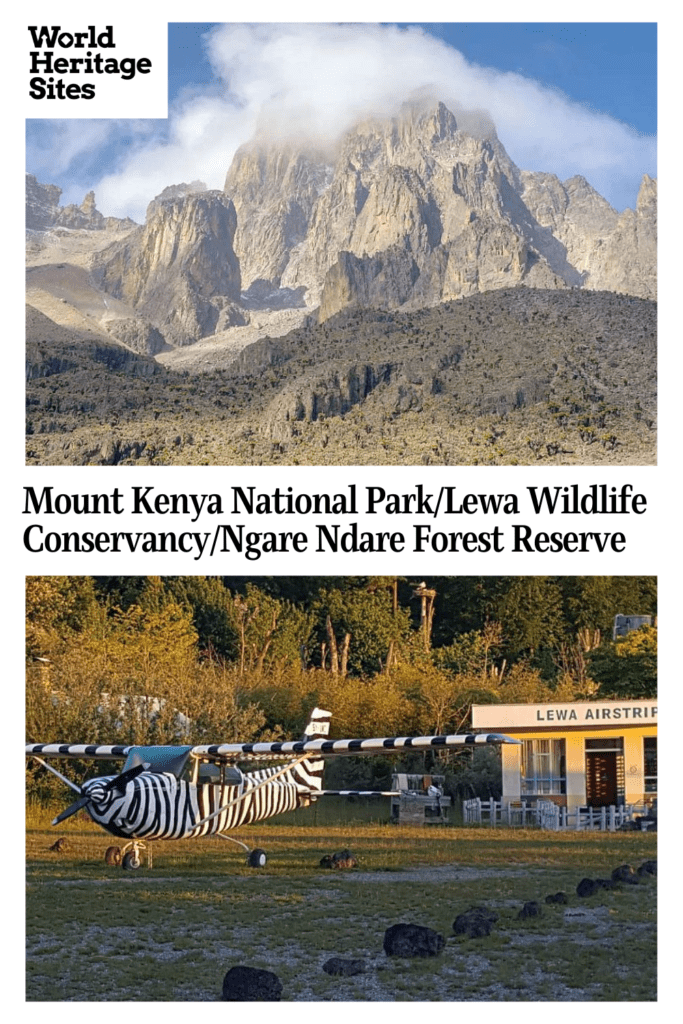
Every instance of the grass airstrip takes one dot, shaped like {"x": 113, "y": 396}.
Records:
{"x": 170, "y": 933}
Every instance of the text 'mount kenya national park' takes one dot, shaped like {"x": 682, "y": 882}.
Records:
{"x": 402, "y": 294}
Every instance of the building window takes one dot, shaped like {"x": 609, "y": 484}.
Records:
{"x": 604, "y": 744}
{"x": 544, "y": 767}
{"x": 650, "y": 759}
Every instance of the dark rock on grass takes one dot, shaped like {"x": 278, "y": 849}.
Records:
{"x": 625, "y": 873}
{"x": 251, "y": 985}
{"x": 339, "y": 861}
{"x": 587, "y": 887}
{"x": 412, "y": 940}
{"x": 606, "y": 883}
{"x": 648, "y": 867}
{"x": 475, "y": 923}
{"x": 60, "y": 845}
{"x": 530, "y": 909}
{"x": 557, "y": 897}
{"x": 337, "y": 965}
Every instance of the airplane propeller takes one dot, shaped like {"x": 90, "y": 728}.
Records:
{"x": 76, "y": 806}
{"x": 119, "y": 782}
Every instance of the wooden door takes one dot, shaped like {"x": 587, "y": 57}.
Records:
{"x": 601, "y": 778}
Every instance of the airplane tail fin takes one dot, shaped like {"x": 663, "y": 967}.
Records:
{"x": 318, "y": 725}
{"x": 318, "y": 728}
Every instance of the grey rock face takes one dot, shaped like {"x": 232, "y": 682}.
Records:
{"x": 137, "y": 334}
{"x": 42, "y": 204}
{"x": 318, "y": 395}
{"x": 406, "y": 212}
{"x": 52, "y": 348}
{"x": 44, "y": 213}
{"x": 427, "y": 207}
{"x": 627, "y": 260}
{"x": 274, "y": 191}
{"x": 179, "y": 270}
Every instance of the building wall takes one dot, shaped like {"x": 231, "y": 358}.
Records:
{"x": 575, "y": 751}
{"x": 631, "y": 721}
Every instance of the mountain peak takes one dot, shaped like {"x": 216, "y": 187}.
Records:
{"x": 408, "y": 211}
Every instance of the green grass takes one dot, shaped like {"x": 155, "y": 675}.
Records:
{"x": 99, "y": 933}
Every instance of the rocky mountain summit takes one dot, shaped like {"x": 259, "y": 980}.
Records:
{"x": 44, "y": 213}
{"x": 179, "y": 270}
{"x": 408, "y": 296}
{"x": 425, "y": 208}
{"x": 405, "y": 213}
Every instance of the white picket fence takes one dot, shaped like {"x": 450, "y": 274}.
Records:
{"x": 546, "y": 814}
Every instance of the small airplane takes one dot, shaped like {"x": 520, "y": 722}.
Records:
{"x": 184, "y": 792}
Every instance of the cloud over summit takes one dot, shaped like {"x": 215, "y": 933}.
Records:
{"x": 316, "y": 81}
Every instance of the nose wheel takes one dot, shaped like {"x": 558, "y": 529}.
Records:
{"x": 130, "y": 857}
{"x": 131, "y": 861}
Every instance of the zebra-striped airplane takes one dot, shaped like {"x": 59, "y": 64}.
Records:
{"x": 183, "y": 792}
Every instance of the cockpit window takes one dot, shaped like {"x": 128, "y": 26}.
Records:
{"x": 159, "y": 759}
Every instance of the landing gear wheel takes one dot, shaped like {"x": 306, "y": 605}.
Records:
{"x": 113, "y": 855}
{"x": 131, "y": 861}
{"x": 257, "y": 859}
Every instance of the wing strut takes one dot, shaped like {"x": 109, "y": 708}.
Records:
{"x": 248, "y": 792}
{"x": 59, "y": 775}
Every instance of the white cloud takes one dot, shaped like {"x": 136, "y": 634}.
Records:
{"x": 319, "y": 79}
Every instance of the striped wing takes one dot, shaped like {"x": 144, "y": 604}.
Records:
{"x": 266, "y": 751}
{"x": 335, "y": 748}
{"x": 85, "y": 751}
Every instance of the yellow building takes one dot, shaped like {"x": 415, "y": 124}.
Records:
{"x": 585, "y": 754}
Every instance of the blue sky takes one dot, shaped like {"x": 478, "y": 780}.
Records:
{"x": 611, "y": 67}
{"x": 566, "y": 98}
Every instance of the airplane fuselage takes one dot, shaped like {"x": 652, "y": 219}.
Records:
{"x": 160, "y": 806}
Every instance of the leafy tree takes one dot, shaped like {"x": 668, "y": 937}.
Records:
{"x": 627, "y": 667}
{"x": 151, "y": 659}
{"x": 56, "y": 608}
{"x": 299, "y": 590}
{"x": 119, "y": 591}
{"x": 286, "y": 693}
{"x": 524, "y": 684}
{"x": 267, "y": 631}
{"x": 530, "y": 614}
{"x": 211, "y": 605}
{"x": 362, "y": 706}
{"x": 368, "y": 617}
{"x": 478, "y": 774}
{"x": 591, "y": 602}
{"x": 472, "y": 653}
{"x": 465, "y": 604}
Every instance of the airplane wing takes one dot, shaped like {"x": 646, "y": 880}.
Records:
{"x": 232, "y": 752}
{"x": 335, "y": 748}
{"x": 83, "y": 751}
